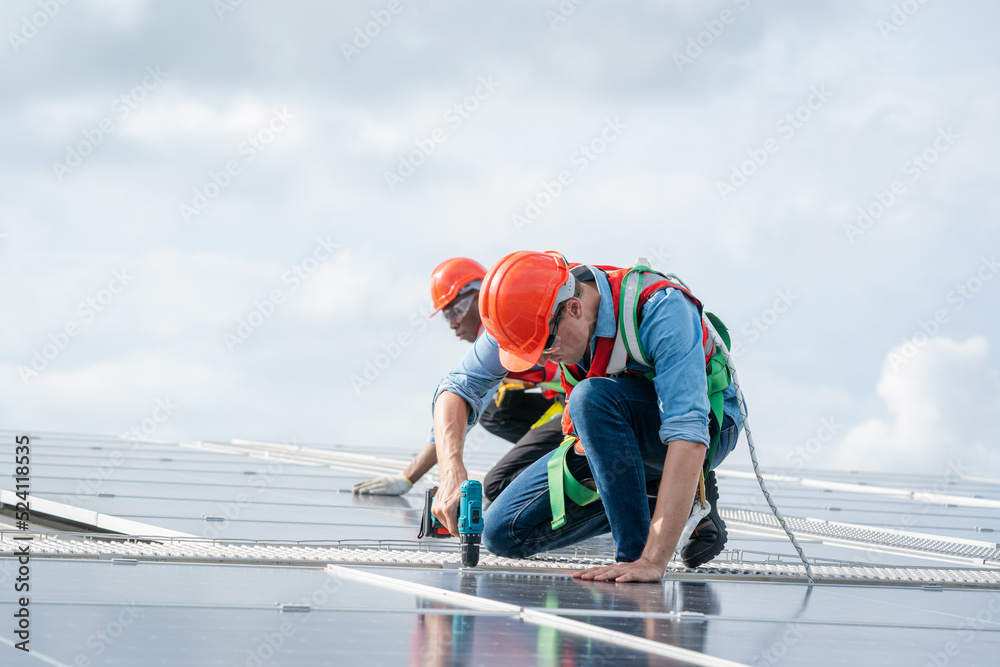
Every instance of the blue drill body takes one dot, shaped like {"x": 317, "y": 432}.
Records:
{"x": 470, "y": 520}
{"x": 470, "y": 512}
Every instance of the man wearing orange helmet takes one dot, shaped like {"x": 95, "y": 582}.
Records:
{"x": 651, "y": 409}
{"x": 515, "y": 415}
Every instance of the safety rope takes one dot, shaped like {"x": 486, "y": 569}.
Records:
{"x": 753, "y": 453}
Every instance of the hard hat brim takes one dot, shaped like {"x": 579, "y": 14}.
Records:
{"x": 521, "y": 361}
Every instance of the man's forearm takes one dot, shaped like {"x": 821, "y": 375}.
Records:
{"x": 421, "y": 463}
{"x": 674, "y": 500}
{"x": 451, "y": 417}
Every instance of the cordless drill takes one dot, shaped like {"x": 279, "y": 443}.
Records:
{"x": 470, "y": 520}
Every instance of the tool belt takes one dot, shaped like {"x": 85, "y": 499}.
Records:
{"x": 510, "y": 393}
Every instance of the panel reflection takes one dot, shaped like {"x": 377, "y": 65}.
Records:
{"x": 674, "y": 612}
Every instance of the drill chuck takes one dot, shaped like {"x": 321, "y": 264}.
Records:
{"x": 470, "y": 549}
{"x": 470, "y": 522}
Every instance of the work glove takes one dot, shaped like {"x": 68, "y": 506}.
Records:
{"x": 390, "y": 485}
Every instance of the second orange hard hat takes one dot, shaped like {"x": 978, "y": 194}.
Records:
{"x": 450, "y": 277}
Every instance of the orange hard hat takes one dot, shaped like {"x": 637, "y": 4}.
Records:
{"x": 519, "y": 296}
{"x": 450, "y": 277}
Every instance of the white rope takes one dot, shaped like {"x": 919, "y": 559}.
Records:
{"x": 753, "y": 453}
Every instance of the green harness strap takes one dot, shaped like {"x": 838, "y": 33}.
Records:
{"x": 572, "y": 381}
{"x": 554, "y": 385}
{"x": 719, "y": 378}
{"x": 563, "y": 485}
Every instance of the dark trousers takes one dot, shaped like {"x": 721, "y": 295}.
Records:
{"x": 514, "y": 425}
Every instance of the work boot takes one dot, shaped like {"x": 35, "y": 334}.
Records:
{"x": 709, "y": 537}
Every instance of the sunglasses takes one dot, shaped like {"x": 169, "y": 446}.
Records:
{"x": 455, "y": 311}
{"x": 553, "y": 342}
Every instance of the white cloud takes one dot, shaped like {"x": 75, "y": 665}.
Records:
{"x": 356, "y": 285}
{"x": 653, "y": 191}
{"x": 125, "y": 13}
{"x": 112, "y": 396}
{"x": 188, "y": 292}
{"x": 943, "y": 407}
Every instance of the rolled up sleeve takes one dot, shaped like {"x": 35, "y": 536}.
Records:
{"x": 475, "y": 377}
{"x": 670, "y": 333}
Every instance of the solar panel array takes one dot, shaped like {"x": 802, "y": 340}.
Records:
{"x": 228, "y": 581}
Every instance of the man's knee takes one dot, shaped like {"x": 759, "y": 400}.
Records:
{"x": 498, "y": 542}
{"x": 587, "y": 392}
{"x": 593, "y": 398}
{"x": 603, "y": 393}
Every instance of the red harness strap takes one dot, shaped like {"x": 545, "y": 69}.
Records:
{"x": 537, "y": 376}
{"x": 605, "y": 346}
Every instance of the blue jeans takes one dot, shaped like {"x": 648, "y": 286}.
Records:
{"x": 618, "y": 422}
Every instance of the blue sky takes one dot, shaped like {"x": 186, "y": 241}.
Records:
{"x": 822, "y": 174}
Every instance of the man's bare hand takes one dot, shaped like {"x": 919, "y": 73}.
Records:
{"x": 448, "y": 498}
{"x": 640, "y": 570}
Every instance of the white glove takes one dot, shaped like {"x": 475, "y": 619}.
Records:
{"x": 390, "y": 485}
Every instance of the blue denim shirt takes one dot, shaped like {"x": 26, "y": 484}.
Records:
{"x": 670, "y": 333}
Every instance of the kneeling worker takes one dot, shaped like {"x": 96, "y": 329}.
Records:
{"x": 649, "y": 399}
{"x": 515, "y": 415}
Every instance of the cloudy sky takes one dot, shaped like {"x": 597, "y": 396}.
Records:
{"x": 218, "y": 219}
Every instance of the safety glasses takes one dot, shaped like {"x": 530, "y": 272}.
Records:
{"x": 553, "y": 342}
{"x": 456, "y": 310}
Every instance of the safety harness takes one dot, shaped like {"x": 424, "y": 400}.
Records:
{"x": 547, "y": 379}
{"x": 630, "y": 289}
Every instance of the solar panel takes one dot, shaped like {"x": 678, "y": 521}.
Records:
{"x": 260, "y": 580}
